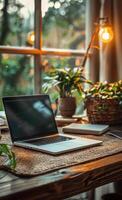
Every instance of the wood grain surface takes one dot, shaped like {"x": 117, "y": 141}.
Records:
{"x": 62, "y": 183}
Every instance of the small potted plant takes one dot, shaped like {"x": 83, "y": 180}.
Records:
{"x": 104, "y": 103}
{"x": 66, "y": 81}
{"x": 8, "y": 155}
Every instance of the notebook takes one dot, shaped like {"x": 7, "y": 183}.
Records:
{"x": 95, "y": 129}
{"x": 32, "y": 125}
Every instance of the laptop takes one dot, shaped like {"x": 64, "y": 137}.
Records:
{"x": 32, "y": 125}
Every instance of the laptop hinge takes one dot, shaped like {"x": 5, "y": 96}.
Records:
{"x": 33, "y": 139}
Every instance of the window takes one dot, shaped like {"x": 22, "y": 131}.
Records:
{"x": 24, "y": 51}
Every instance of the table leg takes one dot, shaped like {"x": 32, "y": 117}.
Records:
{"x": 91, "y": 194}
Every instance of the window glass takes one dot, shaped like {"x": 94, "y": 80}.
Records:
{"x": 63, "y": 23}
{"x": 16, "y": 74}
{"x": 16, "y": 22}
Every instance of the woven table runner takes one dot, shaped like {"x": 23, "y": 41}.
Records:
{"x": 30, "y": 162}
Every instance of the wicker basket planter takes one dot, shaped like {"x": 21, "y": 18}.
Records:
{"x": 104, "y": 111}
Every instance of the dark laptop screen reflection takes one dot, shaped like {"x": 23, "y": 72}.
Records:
{"x": 34, "y": 115}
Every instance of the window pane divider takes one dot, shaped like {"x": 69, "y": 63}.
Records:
{"x": 43, "y": 51}
{"x": 62, "y": 52}
{"x": 19, "y": 50}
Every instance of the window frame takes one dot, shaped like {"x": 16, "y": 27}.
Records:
{"x": 37, "y": 51}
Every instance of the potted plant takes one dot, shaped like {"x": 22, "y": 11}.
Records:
{"x": 66, "y": 81}
{"x": 8, "y": 155}
{"x": 104, "y": 103}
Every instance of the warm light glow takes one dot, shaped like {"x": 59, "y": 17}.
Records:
{"x": 106, "y": 34}
{"x": 31, "y": 38}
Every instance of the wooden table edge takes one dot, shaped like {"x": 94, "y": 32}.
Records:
{"x": 65, "y": 182}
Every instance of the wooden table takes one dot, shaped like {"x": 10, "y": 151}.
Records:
{"x": 62, "y": 183}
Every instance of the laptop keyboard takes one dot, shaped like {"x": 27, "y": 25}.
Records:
{"x": 49, "y": 140}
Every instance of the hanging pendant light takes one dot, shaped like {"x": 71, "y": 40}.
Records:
{"x": 106, "y": 34}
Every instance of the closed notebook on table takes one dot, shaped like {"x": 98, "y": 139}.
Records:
{"x": 96, "y": 129}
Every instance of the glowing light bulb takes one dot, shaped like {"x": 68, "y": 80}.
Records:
{"x": 31, "y": 37}
{"x": 106, "y": 34}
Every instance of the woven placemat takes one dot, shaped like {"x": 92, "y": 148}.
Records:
{"x": 30, "y": 162}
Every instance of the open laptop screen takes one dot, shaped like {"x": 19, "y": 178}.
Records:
{"x": 29, "y": 116}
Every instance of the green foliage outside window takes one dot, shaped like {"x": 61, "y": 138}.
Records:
{"x": 65, "y": 22}
{"x": 15, "y": 76}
